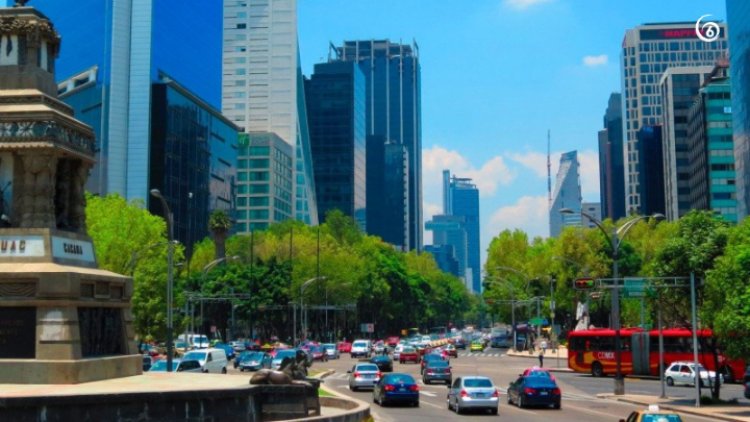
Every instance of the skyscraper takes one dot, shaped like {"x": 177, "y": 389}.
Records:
{"x": 262, "y": 86}
{"x": 647, "y": 51}
{"x": 567, "y": 194}
{"x": 451, "y": 230}
{"x": 463, "y": 201}
{"x": 678, "y": 87}
{"x": 652, "y": 174}
{"x": 393, "y": 116}
{"x": 738, "y": 16}
{"x": 120, "y": 50}
{"x": 336, "y": 110}
{"x": 611, "y": 168}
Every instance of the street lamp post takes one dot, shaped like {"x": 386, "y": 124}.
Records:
{"x": 615, "y": 240}
{"x": 170, "y": 276}
{"x": 303, "y": 316}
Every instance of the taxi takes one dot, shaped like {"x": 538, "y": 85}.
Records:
{"x": 476, "y": 346}
{"x": 653, "y": 414}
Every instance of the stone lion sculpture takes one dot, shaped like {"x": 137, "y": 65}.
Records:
{"x": 291, "y": 371}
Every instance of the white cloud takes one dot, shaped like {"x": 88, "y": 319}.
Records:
{"x": 492, "y": 174}
{"x": 593, "y": 61}
{"x": 523, "y": 4}
{"x": 529, "y": 213}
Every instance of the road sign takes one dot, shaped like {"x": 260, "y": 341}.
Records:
{"x": 635, "y": 287}
{"x": 213, "y": 329}
{"x": 538, "y": 321}
{"x": 367, "y": 328}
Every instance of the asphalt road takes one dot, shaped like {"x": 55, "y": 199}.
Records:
{"x": 579, "y": 392}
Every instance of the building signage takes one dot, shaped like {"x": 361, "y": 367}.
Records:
{"x": 21, "y": 246}
{"x": 674, "y": 33}
{"x": 79, "y": 250}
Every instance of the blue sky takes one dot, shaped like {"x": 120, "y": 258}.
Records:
{"x": 496, "y": 74}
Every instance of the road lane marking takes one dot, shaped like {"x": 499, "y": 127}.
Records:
{"x": 429, "y": 394}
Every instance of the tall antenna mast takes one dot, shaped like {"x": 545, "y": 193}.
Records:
{"x": 549, "y": 171}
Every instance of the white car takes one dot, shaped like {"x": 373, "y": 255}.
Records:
{"x": 361, "y": 348}
{"x": 684, "y": 373}
{"x": 397, "y": 351}
{"x": 211, "y": 360}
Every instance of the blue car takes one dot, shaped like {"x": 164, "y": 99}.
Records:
{"x": 396, "y": 388}
{"x": 229, "y": 350}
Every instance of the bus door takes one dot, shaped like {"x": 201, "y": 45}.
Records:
{"x": 640, "y": 349}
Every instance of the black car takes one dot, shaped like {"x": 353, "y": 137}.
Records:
{"x": 254, "y": 361}
{"x": 428, "y": 358}
{"x": 384, "y": 363}
{"x": 534, "y": 391}
{"x": 460, "y": 344}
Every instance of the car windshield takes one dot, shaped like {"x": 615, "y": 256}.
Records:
{"x": 660, "y": 418}
{"x": 538, "y": 373}
{"x": 367, "y": 368}
{"x": 399, "y": 379}
{"x": 432, "y": 357}
{"x": 253, "y": 356}
{"x": 408, "y": 350}
{"x": 196, "y": 356}
{"x": 438, "y": 364}
{"x": 540, "y": 381}
{"x": 329, "y": 346}
{"x": 477, "y": 382}
{"x": 360, "y": 344}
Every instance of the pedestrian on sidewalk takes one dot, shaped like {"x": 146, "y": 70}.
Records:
{"x": 544, "y": 347}
{"x": 541, "y": 358}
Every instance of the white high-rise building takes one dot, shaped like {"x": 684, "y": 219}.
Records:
{"x": 262, "y": 92}
{"x": 567, "y": 194}
{"x": 647, "y": 51}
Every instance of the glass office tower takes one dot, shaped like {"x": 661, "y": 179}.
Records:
{"x": 336, "y": 114}
{"x": 647, "y": 51}
{"x": 393, "y": 115}
{"x": 611, "y": 167}
{"x": 567, "y": 194}
{"x": 652, "y": 174}
{"x": 738, "y": 17}
{"x": 463, "y": 201}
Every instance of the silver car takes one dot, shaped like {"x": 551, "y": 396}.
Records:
{"x": 473, "y": 393}
{"x": 363, "y": 375}
{"x": 331, "y": 351}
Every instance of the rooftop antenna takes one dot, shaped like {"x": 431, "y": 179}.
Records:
{"x": 549, "y": 171}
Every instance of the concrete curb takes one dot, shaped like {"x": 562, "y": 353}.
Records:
{"x": 324, "y": 374}
{"x": 681, "y": 409}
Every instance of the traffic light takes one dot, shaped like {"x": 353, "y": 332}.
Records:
{"x": 584, "y": 283}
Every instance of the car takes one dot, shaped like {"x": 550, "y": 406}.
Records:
{"x": 161, "y": 365}
{"x": 430, "y": 357}
{"x": 379, "y": 348}
{"x": 189, "y": 365}
{"x": 344, "y": 347}
{"x": 228, "y": 350}
{"x": 149, "y": 349}
{"x": 653, "y": 414}
{"x": 239, "y": 346}
{"x": 181, "y": 346}
{"x": 535, "y": 370}
{"x": 280, "y": 355}
{"x": 212, "y": 360}
{"x": 683, "y": 372}
{"x": 437, "y": 370}
{"x": 392, "y": 341}
{"x": 473, "y": 392}
{"x": 460, "y": 344}
{"x": 331, "y": 351}
{"x": 147, "y": 362}
{"x": 363, "y": 375}
{"x": 318, "y": 353}
{"x": 451, "y": 351}
{"x": 476, "y": 346}
{"x": 408, "y": 354}
{"x": 361, "y": 348}
{"x": 396, "y": 388}
{"x": 502, "y": 341}
{"x": 238, "y": 358}
{"x": 384, "y": 363}
{"x": 254, "y": 361}
{"x": 534, "y": 391}
{"x": 397, "y": 351}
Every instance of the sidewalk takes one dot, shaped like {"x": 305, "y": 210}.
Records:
{"x": 551, "y": 357}
{"x": 732, "y": 413}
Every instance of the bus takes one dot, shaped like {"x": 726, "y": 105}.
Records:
{"x": 593, "y": 352}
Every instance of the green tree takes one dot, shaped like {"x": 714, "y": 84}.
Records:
{"x": 219, "y": 224}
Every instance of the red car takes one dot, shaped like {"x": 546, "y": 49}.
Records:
{"x": 345, "y": 347}
{"x": 451, "y": 351}
{"x": 392, "y": 341}
{"x": 409, "y": 354}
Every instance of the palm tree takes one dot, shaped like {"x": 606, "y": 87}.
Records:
{"x": 219, "y": 224}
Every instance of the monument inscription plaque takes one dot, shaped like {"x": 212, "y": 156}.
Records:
{"x": 18, "y": 332}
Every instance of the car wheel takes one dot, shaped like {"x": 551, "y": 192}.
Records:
{"x": 416, "y": 403}
{"x": 509, "y": 400}
{"x": 457, "y": 408}
{"x": 670, "y": 381}
{"x": 557, "y": 406}
{"x": 597, "y": 370}
{"x": 224, "y": 370}
{"x": 242, "y": 369}
{"x": 520, "y": 402}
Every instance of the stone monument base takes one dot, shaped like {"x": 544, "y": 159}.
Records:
{"x": 38, "y": 371}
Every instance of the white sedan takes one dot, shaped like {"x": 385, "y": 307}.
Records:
{"x": 397, "y": 351}
{"x": 684, "y": 373}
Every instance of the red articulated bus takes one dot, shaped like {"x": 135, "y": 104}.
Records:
{"x": 593, "y": 352}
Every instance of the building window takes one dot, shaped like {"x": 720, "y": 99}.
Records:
{"x": 241, "y": 26}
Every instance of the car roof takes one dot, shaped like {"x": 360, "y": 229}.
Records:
{"x": 475, "y": 377}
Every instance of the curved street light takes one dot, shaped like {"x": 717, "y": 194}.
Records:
{"x": 615, "y": 240}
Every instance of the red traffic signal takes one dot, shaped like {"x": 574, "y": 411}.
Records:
{"x": 584, "y": 284}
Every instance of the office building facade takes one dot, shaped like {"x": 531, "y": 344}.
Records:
{"x": 567, "y": 194}
{"x": 738, "y": 17}
{"x": 193, "y": 159}
{"x": 451, "y": 230}
{"x": 593, "y": 209}
{"x": 651, "y": 171}
{"x": 127, "y": 43}
{"x": 647, "y": 52}
{"x": 262, "y": 86}
{"x": 445, "y": 257}
{"x": 711, "y": 147}
{"x": 679, "y": 87}
{"x": 463, "y": 201}
{"x": 335, "y": 96}
{"x": 611, "y": 167}
{"x": 393, "y": 115}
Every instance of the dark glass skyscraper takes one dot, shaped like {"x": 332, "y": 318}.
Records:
{"x": 335, "y": 96}
{"x": 738, "y": 17}
{"x": 464, "y": 203}
{"x": 611, "y": 166}
{"x": 393, "y": 115}
{"x": 651, "y": 169}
